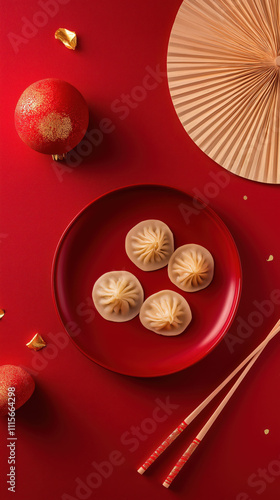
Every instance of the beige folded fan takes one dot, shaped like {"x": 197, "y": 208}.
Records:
{"x": 224, "y": 77}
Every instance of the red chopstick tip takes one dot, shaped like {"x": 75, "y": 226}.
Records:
{"x": 166, "y": 484}
{"x": 141, "y": 470}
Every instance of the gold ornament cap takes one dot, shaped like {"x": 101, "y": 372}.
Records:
{"x": 67, "y": 37}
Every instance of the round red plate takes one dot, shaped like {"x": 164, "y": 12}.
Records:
{"x": 94, "y": 243}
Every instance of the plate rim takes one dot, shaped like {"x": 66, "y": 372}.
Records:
{"x": 213, "y": 214}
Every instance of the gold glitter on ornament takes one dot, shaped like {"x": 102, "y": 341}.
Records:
{"x": 31, "y": 100}
{"x": 270, "y": 258}
{"x": 266, "y": 431}
{"x": 36, "y": 343}
{"x": 2, "y": 313}
{"x": 55, "y": 126}
{"x": 67, "y": 37}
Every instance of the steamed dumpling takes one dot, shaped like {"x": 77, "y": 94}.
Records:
{"x": 191, "y": 268}
{"x": 149, "y": 245}
{"x": 118, "y": 296}
{"x": 166, "y": 313}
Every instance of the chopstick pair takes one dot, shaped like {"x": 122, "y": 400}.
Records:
{"x": 247, "y": 363}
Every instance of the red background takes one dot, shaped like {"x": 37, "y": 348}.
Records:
{"x": 80, "y": 413}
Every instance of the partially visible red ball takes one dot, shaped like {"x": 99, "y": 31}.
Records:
{"x": 21, "y": 383}
{"x": 51, "y": 116}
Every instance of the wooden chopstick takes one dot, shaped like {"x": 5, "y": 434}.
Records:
{"x": 176, "y": 432}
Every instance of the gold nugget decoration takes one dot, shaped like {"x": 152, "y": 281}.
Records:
{"x": 36, "y": 343}
{"x": 67, "y": 37}
{"x": 2, "y": 313}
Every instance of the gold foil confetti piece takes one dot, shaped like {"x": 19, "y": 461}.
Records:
{"x": 266, "y": 431}
{"x": 67, "y": 37}
{"x": 2, "y": 313}
{"x": 270, "y": 258}
{"x": 36, "y": 343}
{"x": 55, "y": 126}
{"x": 245, "y": 197}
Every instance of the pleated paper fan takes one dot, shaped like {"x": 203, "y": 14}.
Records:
{"x": 224, "y": 77}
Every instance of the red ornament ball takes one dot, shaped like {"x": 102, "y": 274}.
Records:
{"x": 21, "y": 386}
{"x": 51, "y": 116}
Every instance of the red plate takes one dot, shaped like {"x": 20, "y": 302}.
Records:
{"x": 94, "y": 243}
